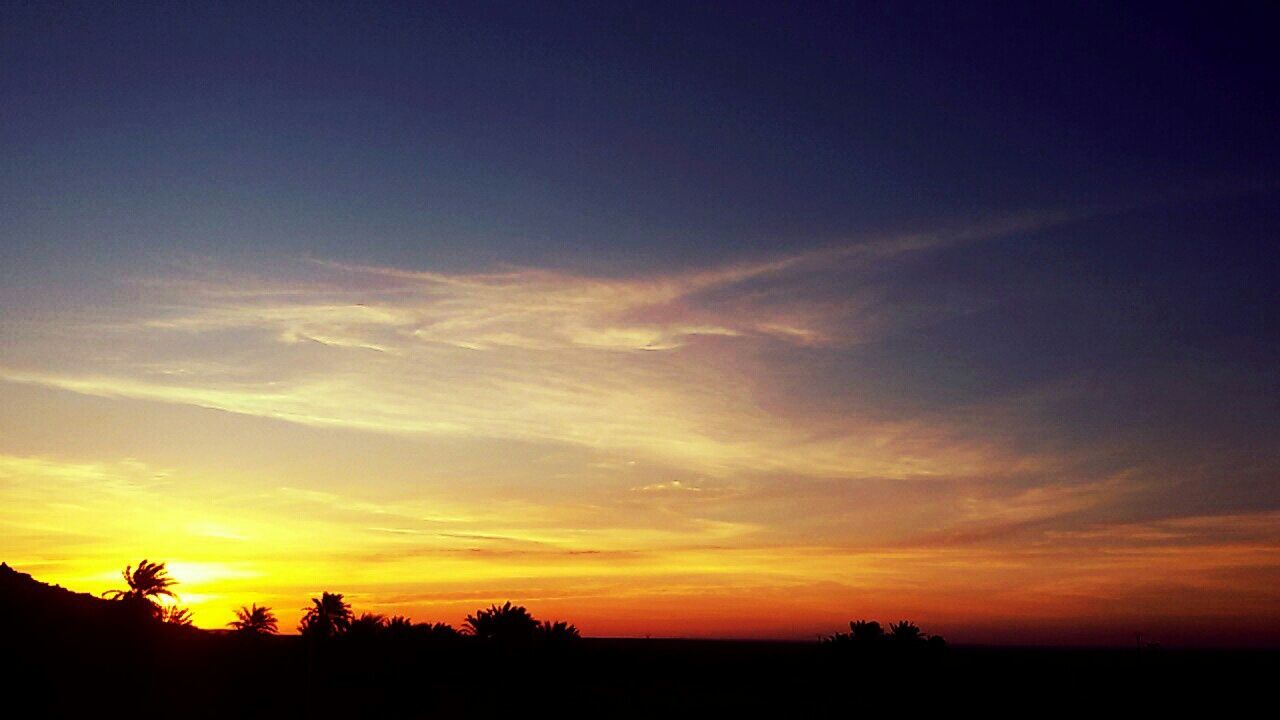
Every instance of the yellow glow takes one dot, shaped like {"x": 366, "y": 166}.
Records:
{"x": 613, "y": 451}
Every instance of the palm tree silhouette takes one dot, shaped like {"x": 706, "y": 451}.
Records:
{"x": 399, "y": 628}
{"x": 866, "y": 636}
{"x": 254, "y": 620}
{"x": 174, "y": 615}
{"x": 328, "y": 616}
{"x": 557, "y": 633}
{"x": 146, "y": 586}
{"x": 148, "y": 582}
{"x": 367, "y": 625}
{"x": 437, "y": 631}
{"x": 905, "y": 632}
{"x": 862, "y": 634}
{"x": 866, "y": 631}
{"x": 508, "y": 623}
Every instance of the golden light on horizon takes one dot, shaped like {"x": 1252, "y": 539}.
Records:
{"x": 624, "y": 453}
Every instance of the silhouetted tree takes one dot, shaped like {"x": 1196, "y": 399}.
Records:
{"x": 328, "y": 616}
{"x": 367, "y": 625}
{"x": 865, "y": 636}
{"x": 437, "y": 631}
{"x": 174, "y": 615}
{"x": 400, "y": 629}
{"x": 866, "y": 631}
{"x": 862, "y": 633}
{"x": 905, "y": 632}
{"x": 148, "y": 582}
{"x": 506, "y": 624}
{"x": 254, "y": 620}
{"x": 557, "y": 634}
{"x": 145, "y": 587}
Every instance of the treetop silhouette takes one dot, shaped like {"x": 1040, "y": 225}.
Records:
{"x": 866, "y": 630}
{"x": 557, "y": 635}
{"x": 148, "y": 582}
{"x": 506, "y": 623}
{"x": 905, "y": 631}
{"x": 174, "y": 615}
{"x": 328, "y": 616}
{"x": 866, "y": 635}
{"x": 254, "y": 620}
{"x": 367, "y": 625}
{"x": 145, "y": 586}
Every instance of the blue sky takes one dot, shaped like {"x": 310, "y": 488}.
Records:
{"x": 640, "y": 135}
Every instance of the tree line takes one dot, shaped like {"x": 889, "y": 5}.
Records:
{"x": 330, "y": 616}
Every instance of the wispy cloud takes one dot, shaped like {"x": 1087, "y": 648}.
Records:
{"x": 641, "y": 445}
{"x": 664, "y": 366}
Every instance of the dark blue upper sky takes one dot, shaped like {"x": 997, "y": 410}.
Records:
{"x": 634, "y": 135}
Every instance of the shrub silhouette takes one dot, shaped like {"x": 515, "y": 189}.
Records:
{"x": 508, "y": 624}
{"x": 327, "y": 617}
{"x": 254, "y": 620}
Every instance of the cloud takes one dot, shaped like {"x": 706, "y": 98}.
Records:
{"x": 655, "y": 441}
{"x": 665, "y": 367}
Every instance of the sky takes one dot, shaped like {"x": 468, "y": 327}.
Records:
{"x": 698, "y": 320}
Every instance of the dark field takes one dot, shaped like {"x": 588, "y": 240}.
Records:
{"x": 202, "y": 674}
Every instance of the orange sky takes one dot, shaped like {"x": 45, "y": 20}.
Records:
{"x": 620, "y": 452}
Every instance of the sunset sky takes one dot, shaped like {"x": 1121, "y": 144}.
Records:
{"x": 724, "y": 321}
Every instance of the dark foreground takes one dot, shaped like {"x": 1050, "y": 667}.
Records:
{"x": 206, "y": 675}
{"x": 68, "y": 655}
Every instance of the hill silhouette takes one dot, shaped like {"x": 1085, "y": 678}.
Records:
{"x": 54, "y": 637}
{"x": 70, "y": 654}
{"x": 55, "y": 624}
{"x": 51, "y": 611}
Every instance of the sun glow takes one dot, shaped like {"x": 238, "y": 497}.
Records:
{"x": 606, "y": 449}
